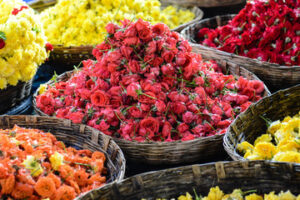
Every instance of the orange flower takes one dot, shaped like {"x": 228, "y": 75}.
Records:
{"x": 65, "y": 193}
{"x": 45, "y": 187}
{"x": 8, "y": 184}
{"x": 81, "y": 177}
{"x": 98, "y": 155}
{"x": 55, "y": 179}
{"x": 22, "y": 191}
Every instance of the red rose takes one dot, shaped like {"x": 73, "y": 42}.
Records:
{"x": 178, "y": 107}
{"x": 160, "y": 106}
{"x": 111, "y": 28}
{"x": 166, "y": 130}
{"x": 2, "y": 43}
{"x": 188, "y": 117}
{"x": 145, "y": 34}
{"x": 134, "y": 66}
{"x": 258, "y": 86}
{"x": 99, "y": 98}
{"x": 132, "y": 90}
{"x": 141, "y": 25}
{"x": 126, "y": 51}
{"x": 147, "y": 97}
{"x": 160, "y": 29}
{"x": 187, "y": 136}
{"x": 76, "y": 117}
{"x": 150, "y": 124}
{"x": 49, "y": 47}
{"x": 151, "y": 47}
{"x": 135, "y": 112}
{"x": 131, "y": 41}
{"x": 168, "y": 56}
{"x": 183, "y": 127}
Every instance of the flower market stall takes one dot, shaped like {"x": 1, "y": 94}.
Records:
{"x": 154, "y": 92}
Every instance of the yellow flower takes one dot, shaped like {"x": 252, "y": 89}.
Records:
{"x": 42, "y": 88}
{"x": 274, "y": 127}
{"x": 244, "y": 146}
{"x": 56, "y": 160}
{"x": 266, "y": 150}
{"x": 288, "y": 156}
{"x": 82, "y": 22}
{"x": 25, "y": 41}
{"x": 215, "y": 194}
{"x": 271, "y": 196}
{"x": 33, "y": 165}
{"x": 286, "y": 196}
{"x": 253, "y": 197}
{"x": 263, "y": 138}
{"x": 185, "y": 197}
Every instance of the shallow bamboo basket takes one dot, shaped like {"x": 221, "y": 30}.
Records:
{"x": 203, "y": 3}
{"x": 75, "y": 135}
{"x": 275, "y": 76}
{"x": 13, "y": 95}
{"x": 261, "y": 176}
{"x": 275, "y": 107}
{"x": 156, "y": 153}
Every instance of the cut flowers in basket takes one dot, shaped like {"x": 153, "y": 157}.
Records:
{"x": 34, "y": 165}
{"x": 267, "y": 30}
{"x": 215, "y": 193}
{"x": 281, "y": 142}
{"x": 82, "y": 22}
{"x": 147, "y": 85}
{"x": 22, "y": 43}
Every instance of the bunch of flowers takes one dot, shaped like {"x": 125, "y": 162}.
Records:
{"x": 267, "y": 30}
{"x": 22, "y": 43}
{"x": 147, "y": 85}
{"x": 280, "y": 143}
{"x": 216, "y": 193}
{"x": 34, "y": 165}
{"x": 82, "y": 22}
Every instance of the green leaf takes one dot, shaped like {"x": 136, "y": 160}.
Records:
{"x": 2, "y": 35}
{"x": 54, "y": 77}
{"x": 36, "y": 30}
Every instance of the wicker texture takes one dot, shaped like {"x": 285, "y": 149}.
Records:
{"x": 275, "y": 107}
{"x": 40, "y": 5}
{"x": 275, "y": 76}
{"x": 177, "y": 152}
{"x": 75, "y": 135}
{"x": 14, "y": 95}
{"x": 257, "y": 175}
{"x": 203, "y": 3}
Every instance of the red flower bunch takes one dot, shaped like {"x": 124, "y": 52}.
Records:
{"x": 147, "y": 85}
{"x": 264, "y": 30}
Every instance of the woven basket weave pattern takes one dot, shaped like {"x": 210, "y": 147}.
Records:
{"x": 249, "y": 125}
{"x": 261, "y": 176}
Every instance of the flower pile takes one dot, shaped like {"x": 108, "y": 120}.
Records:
{"x": 267, "y": 30}
{"x": 216, "y": 193}
{"x": 34, "y": 165}
{"x": 146, "y": 84}
{"x": 82, "y": 22}
{"x": 280, "y": 143}
{"x": 22, "y": 43}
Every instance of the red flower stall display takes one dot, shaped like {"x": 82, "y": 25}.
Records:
{"x": 264, "y": 30}
{"x": 147, "y": 85}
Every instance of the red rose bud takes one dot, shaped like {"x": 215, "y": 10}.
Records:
{"x": 2, "y": 43}
{"x": 49, "y": 47}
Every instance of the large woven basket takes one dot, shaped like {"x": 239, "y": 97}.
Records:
{"x": 14, "y": 95}
{"x": 275, "y": 107}
{"x": 203, "y": 3}
{"x": 156, "y": 153}
{"x": 275, "y": 76}
{"x": 263, "y": 177}
{"x": 75, "y": 135}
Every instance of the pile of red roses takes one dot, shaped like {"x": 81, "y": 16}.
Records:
{"x": 268, "y": 30}
{"x": 147, "y": 85}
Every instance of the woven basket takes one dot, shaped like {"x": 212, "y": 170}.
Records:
{"x": 275, "y": 107}
{"x": 177, "y": 152}
{"x": 261, "y": 176}
{"x": 203, "y": 3}
{"x": 75, "y": 135}
{"x": 14, "y": 95}
{"x": 275, "y": 76}
{"x": 40, "y": 5}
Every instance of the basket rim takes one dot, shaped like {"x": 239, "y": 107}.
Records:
{"x": 151, "y": 143}
{"x": 35, "y": 117}
{"x": 227, "y": 133}
{"x": 225, "y": 164}
{"x": 232, "y": 55}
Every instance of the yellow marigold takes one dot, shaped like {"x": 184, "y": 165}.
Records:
{"x": 286, "y": 196}
{"x": 263, "y": 138}
{"x": 266, "y": 150}
{"x": 187, "y": 196}
{"x": 271, "y": 196}
{"x": 253, "y": 197}
{"x": 244, "y": 146}
{"x": 25, "y": 42}
{"x": 288, "y": 156}
{"x": 274, "y": 127}
{"x": 82, "y": 22}
{"x": 215, "y": 194}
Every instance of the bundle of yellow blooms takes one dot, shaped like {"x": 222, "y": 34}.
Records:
{"x": 280, "y": 143}
{"x": 82, "y": 22}
{"x": 22, "y": 43}
{"x": 216, "y": 194}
